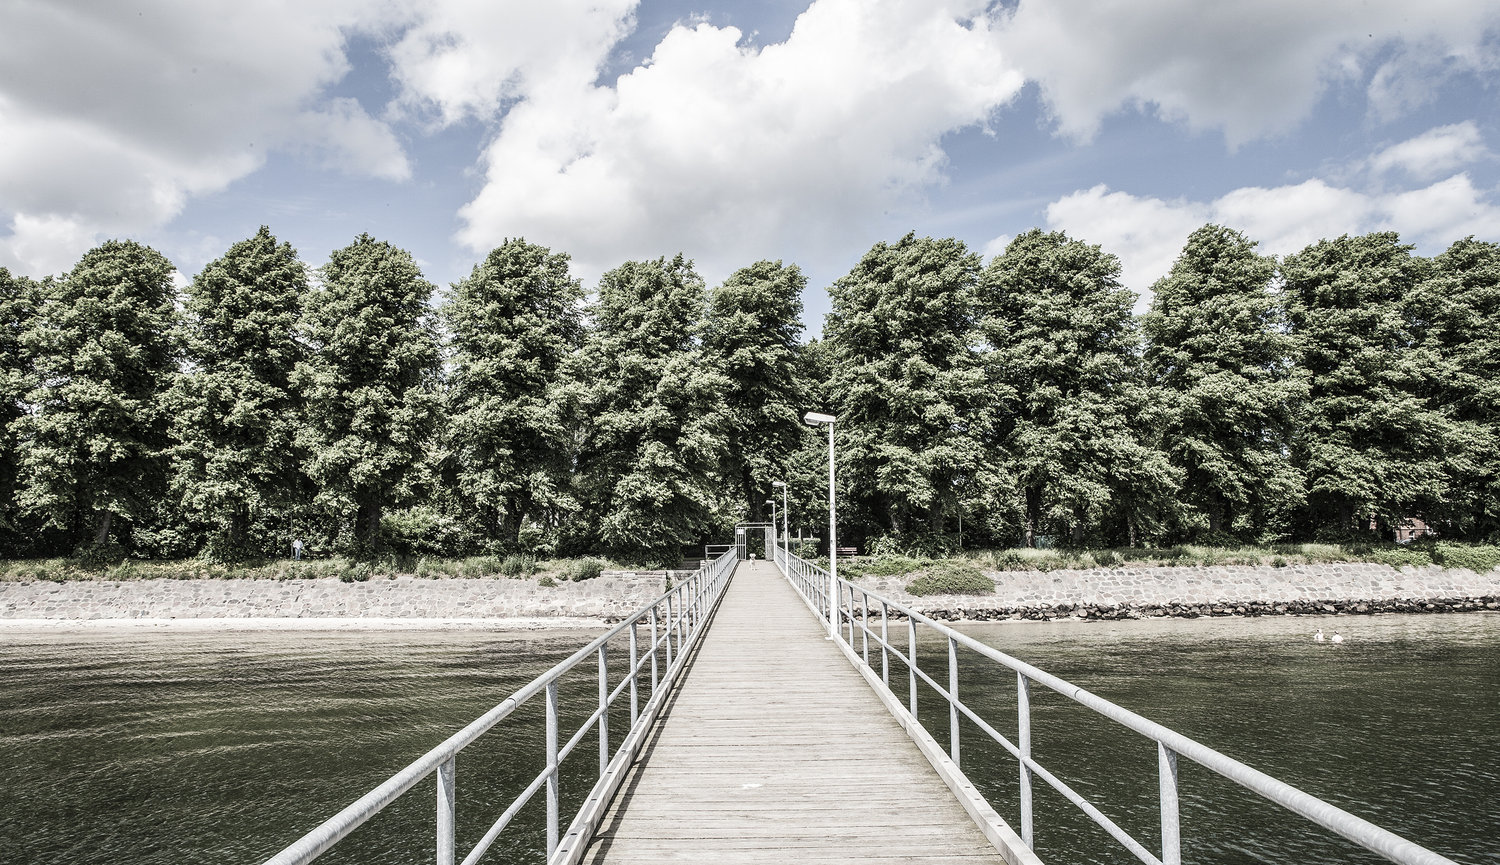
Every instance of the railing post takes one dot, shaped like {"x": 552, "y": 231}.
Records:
{"x": 911, "y": 660}
{"x": 953, "y": 699}
{"x": 885, "y": 644}
{"x": 635, "y": 674}
{"x": 864, "y": 624}
{"x": 447, "y": 810}
{"x": 603, "y": 713}
{"x": 1171, "y": 838}
{"x": 653, "y": 650}
{"x": 551, "y": 768}
{"x": 1023, "y": 743}
{"x": 851, "y": 612}
{"x": 667, "y": 628}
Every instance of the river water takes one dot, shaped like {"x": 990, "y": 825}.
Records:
{"x": 173, "y": 746}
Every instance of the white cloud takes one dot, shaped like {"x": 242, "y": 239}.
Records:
{"x": 1147, "y": 233}
{"x": 1248, "y": 68}
{"x": 113, "y": 115}
{"x": 737, "y": 152}
{"x": 465, "y": 59}
{"x": 1433, "y": 153}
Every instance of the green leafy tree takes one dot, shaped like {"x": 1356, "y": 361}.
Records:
{"x": 751, "y": 338}
{"x": 102, "y": 351}
{"x": 1218, "y": 349}
{"x": 1075, "y": 418}
{"x": 370, "y": 385}
{"x": 652, "y": 438}
{"x": 1369, "y": 444}
{"x": 235, "y": 467}
{"x": 513, "y": 324}
{"x": 17, "y": 309}
{"x": 1458, "y": 331}
{"x": 909, "y": 389}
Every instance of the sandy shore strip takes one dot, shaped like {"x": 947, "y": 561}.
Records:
{"x": 207, "y": 625}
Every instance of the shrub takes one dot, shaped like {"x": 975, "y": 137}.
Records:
{"x": 518, "y": 565}
{"x": 1478, "y": 559}
{"x": 356, "y": 572}
{"x": 546, "y": 582}
{"x": 913, "y": 544}
{"x": 587, "y": 568}
{"x": 883, "y": 566}
{"x": 1397, "y": 557}
{"x": 951, "y": 578}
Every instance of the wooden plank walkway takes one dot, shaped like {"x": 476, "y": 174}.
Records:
{"x": 775, "y": 750}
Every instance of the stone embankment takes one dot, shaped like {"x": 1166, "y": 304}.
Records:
{"x": 1359, "y": 588}
{"x": 607, "y": 598}
{"x": 1103, "y": 593}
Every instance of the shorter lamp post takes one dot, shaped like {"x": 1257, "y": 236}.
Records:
{"x": 786, "y": 530}
{"x": 813, "y": 417}
{"x": 772, "y": 551}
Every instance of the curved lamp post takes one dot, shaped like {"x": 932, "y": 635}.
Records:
{"x": 813, "y": 417}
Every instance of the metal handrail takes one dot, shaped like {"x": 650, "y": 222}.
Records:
{"x": 854, "y": 604}
{"x": 682, "y": 613}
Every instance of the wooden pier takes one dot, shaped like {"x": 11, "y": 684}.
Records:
{"x": 776, "y": 750}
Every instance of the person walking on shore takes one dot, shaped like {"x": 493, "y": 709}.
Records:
{"x": 297, "y": 550}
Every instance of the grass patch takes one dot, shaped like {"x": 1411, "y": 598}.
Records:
{"x": 951, "y": 577}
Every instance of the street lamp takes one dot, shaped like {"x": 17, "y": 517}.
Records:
{"x": 813, "y": 417}
{"x": 786, "y": 530}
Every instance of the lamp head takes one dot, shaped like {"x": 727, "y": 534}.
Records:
{"x": 778, "y": 483}
{"x": 815, "y": 417}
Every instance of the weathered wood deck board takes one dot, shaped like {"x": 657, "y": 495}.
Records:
{"x": 775, "y": 750}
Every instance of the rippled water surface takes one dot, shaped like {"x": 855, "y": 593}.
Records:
{"x": 123, "y": 747}
{"x": 169, "y": 747}
{"x": 1399, "y": 725}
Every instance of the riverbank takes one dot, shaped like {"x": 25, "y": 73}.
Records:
{"x": 528, "y": 603}
{"x": 1356, "y": 588}
{"x": 402, "y": 601}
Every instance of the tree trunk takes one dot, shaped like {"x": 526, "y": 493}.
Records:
{"x": 367, "y": 527}
{"x": 101, "y": 534}
{"x": 1033, "y": 514}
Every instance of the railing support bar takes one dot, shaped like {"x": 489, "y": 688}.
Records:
{"x": 603, "y": 713}
{"x": 447, "y": 810}
{"x": 635, "y": 675}
{"x": 911, "y": 660}
{"x": 552, "y": 800}
{"x": 1171, "y": 829}
{"x": 953, "y": 701}
{"x": 1023, "y": 742}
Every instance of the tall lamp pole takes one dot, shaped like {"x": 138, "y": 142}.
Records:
{"x": 813, "y": 417}
{"x": 786, "y": 530}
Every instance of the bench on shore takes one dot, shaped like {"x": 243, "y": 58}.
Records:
{"x": 847, "y": 551}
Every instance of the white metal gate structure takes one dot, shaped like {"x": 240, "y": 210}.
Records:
{"x": 671, "y": 626}
{"x": 856, "y": 629}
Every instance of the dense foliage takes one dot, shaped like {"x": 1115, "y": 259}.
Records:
{"x": 1334, "y": 394}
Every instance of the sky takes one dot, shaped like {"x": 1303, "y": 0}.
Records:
{"x": 619, "y": 130}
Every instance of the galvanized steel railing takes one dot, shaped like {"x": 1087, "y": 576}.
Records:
{"x": 675, "y": 620}
{"x": 854, "y": 604}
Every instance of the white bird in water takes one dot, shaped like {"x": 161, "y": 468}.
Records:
{"x": 1318, "y": 637}
{"x": 1337, "y": 638}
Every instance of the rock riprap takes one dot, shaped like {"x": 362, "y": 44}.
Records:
{"x": 609, "y": 597}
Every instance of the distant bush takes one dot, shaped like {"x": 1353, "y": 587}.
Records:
{"x": 951, "y": 577}
{"x": 518, "y": 565}
{"x": 547, "y": 582}
{"x": 587, "y": 568}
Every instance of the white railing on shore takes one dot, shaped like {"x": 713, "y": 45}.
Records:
{"x": 854, "y": 605}
{"x": 676, "y": 620}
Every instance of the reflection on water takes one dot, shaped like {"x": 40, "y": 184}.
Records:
{"x": 1399, "y": 725}
{"x": 123, "y": 747}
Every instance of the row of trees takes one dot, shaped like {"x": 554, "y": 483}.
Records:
{"x": 1337, "y": 391}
